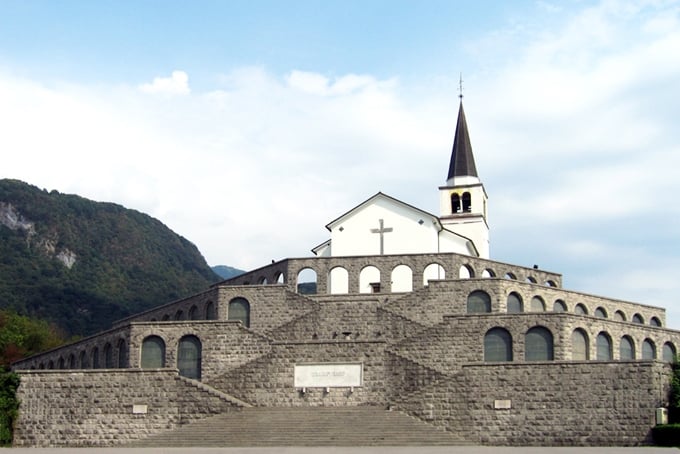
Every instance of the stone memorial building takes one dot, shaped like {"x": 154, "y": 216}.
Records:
{"x": 404, "y": 313}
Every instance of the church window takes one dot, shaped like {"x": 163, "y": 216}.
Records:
{"x": 433, "y": 271}
{"x": 619, "y": 316}
{"x": 108, "y": 356}
{"x": 538, "y": 344}
{"x": 210, "y": 312}
{"x": 580, "y": 309}
{"x": 637, "y": 318}
{"x": 537, "y": 304}
{"x": 306, "y": 281}
{"x": 239, "y": 309}
{"x": 514, "y": 303}
{"x": 455, "y": 203}
{"x": 466, "y": 272}
{"x": 122, "y": 354}
{"x": 402, "y": 279}
{"x": 82, "y": 359}
{"x": 559, "y": 306}
{"x": 338, "y": 281}
{"x": 497, "y": 345}
{"x": 654, "y": 321}
{"x": 600, "y": 312}
{"x": 668, "y": 352}
{"x": 604, "y": 347}
{"x": 478, "y": 302}
{"x": 153, "y": 353}
{"x": 626, "y": 348}
{"x": 648, "y": 349}
{"x": 369, "y": 276}
{"x": 189, "y": 357}
{"x": 467, "y": 202}
{"x": 179, "y": 315}
{"x": 579, "y": 345}
{"x": 95, "y": 358}
{"x": 193, "y": 313}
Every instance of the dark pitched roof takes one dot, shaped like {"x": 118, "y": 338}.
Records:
{"x": 462, "y": 161}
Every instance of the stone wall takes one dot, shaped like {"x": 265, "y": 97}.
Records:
{"x": 95, "y": 408}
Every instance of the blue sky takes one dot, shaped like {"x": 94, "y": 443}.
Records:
{"x": 247, "y": 126}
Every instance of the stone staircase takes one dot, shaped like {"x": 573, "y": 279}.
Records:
{"x": 305, "y": 426}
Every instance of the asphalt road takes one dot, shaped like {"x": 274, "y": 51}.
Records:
{"x": 353, "y": 450}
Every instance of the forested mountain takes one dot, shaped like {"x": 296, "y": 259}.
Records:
{"x": 226, "y": 272}
{"x": 83, "y": 264}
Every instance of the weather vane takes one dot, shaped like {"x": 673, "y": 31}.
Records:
{"x": 460, "y": 87}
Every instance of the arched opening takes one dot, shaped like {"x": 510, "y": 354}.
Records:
{"x": 497, "y": 345}
{"x": 369, "y": 280}
{"x": 153, "y": 353}
{"x": 95, "y": 358}
{"x": 82, "y": 360}
{"x": 537, "y": 304}
{"x": 579, "y": 345}
{"x": 580, "y": 309}
{"x": 50, "y": 364}
{"x": 466, "y": 272}
{"x": 467, "y": 202}
{"x": 654, "y": 321}
{"x": 603, "y": 343}
{"x": 61, "y": 364}
{"x": 619, "y": 316}
{"x": 193, "y": 313}
{"x": 402, "y": 279}
{"x": 189, "y": 357}
{"x": 600, "y": 312}
{"x": 478, "y": 302}
{"x": 279, "y": 278}
{"x": 531, "y": 280}
{"x": 108, "y": 356}
{"x": 432, "y": 272}
{"x": 559, "y": 306}
{"x": 210, "y": 311}
{"x": 488, "y": 273}
{"x": 239, "y": 309}
{"x": 648, "y": 349}
{"x": 455, "y": 203}
{"x": 306, "y": 281}
{"x": 626, "y": 348}
{"x": 165, "y": 318}
{"x": 510, "y": 276}
{"x": 668, "y": 352}
{"x": 514, "y": 303}
{"x": 179, "y": 315}
{"x": 538, "y": 344}
{"x": 338, "y": 281}
{"x": 71, "y": 361}
{"x": 262, "y": 280}
{"x": 550, "y": 283}
{"x": 637, "y": 318}
{"x": 122, "y": 354}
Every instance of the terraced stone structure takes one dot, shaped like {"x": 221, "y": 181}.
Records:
{"x": 406, "y": 315}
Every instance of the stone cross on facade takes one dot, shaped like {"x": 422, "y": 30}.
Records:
{"x": 382, "y": 230}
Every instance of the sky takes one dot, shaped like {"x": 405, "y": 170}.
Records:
{"x": 247, "y": 126}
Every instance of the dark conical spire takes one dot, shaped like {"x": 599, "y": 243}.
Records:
{"x": 462, "y": 160}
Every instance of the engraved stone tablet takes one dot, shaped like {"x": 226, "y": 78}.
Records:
{"x": 328, "y": 375}
{"x": 502, "y": 404}
{"x": 139, "y": 409}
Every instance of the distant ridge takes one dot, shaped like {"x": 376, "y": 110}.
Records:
{"x": 226, "y": 272}
{"x": 83, "y": 264}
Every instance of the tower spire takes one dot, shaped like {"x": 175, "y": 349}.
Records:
{"x": 462, "y": 160}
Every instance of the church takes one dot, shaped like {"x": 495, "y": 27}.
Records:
{"x": 399, "y": 329}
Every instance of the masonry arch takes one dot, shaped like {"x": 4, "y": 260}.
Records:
{"x": 559, "y": 306}
{"x": 402, "y": 278}
{"x": 603, "y": 344}
{"x": 600, "y": 312}
{"x": 279, "y": 278}
{"x": 467, "y": 202}
{"x": 262, "y": 280}
{"x": 466, "y": 272}
{"x": 95, "y": 358}
{"x": 478, "y": 302}
{"x": 50, "y": 364}
{"x": 580, "y": 350}
{"x": 537, "y": 304}
{"x": 306, "y": 281}
{"x": 82, "y": 360}
{"x": 626, "y": 348}
{"x": 122, "y": 354}
{"x": 648, "y": 349}
{"x": 108, "y": 356}
{"x": 61, "y": 364}
{"x": 550, "y": 283}
{"x": 433, "y": 271}
{"x": 210, "y": 311}
{"x": 668, "y": 352}
{"x": 488, "y": 273}
{"x": 338, "y": 280}
{"x": 637, "y": 318}
{"x": 153, "y": 353}
{"x": 532, "y": 280}
{"x": 619, "y": 316}
{"x": 179, "y": 315}
{"x": 239, "y": 309}
{"x": 71, "y": 361}
{"x": 193, "y": 313}
{"x": 580, "y": 309}
{"x": 189, "y": 357}
{"x": 515, "y": 304}
{"x": 369, "y": 280}
{"x": 497, "y": 345}
{"x": 510, "y": 276}
{"x": 455, "y": 203}
{"x": 538, "y": 344}
{"x": 654, "y": 321}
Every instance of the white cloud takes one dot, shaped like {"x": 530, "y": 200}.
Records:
{"x": 176, "y": 84}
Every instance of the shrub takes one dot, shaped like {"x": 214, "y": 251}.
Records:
{"x": 9, "y": 405}
{"x": 666, "y": 435}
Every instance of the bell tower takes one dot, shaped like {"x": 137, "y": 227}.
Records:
{"x": 463, "y": 200}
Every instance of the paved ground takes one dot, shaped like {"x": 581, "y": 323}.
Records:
{"x": 330, "y": 450}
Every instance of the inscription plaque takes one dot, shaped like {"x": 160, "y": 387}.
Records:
{"x": 329, "y": 375}
{"x": 502, "y": 404}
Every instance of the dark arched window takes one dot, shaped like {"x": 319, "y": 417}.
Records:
{"x": 193, "y": 313}
{"x": 50, "y": 364}
{"x": 537, "y": 304}
{"x": 579, "y": 345}
{"x": 122, "y": 354}
{"x": 648, "y": 349}
{"x": 239, "y": 309}
{"x": 210, "y": 312}
{"x": 559, "y": 306}
{"x": 580, "y": 309}
{"x": 538, "y": 344}
{"x": 604, "y": 347}
{"x": 153, "y": 353}
{"x": 179, "y": 315}
{"x": 626, "y": 348}
{"x": 654, "y": 321}
{"x": 619, "y": 316}
{"x": 600, "y": 312}
{"x": 71, "y": 361}
{"x": 497, "y": 345}
{"x": 108, "y": 356}
{"x": 61, "y": 364}
{"x": 467, "y": 202}
{"x": 668, "y": 352}
{"x": 189, "y": 357}
{"x": 455, "y": 203}
{"x": 515, "y": 303}
{"x": 637, "y": 318}
{"x": 478, "y": 302}
{"x": 84, "y": 364}
{"x": 95, "y": 358}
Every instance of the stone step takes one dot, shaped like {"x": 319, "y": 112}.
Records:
{"x": 305, "y": 426}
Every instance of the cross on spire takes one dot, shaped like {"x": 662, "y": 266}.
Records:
{"x": 460, "y": 87}
{"x": 382, "y": 230}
